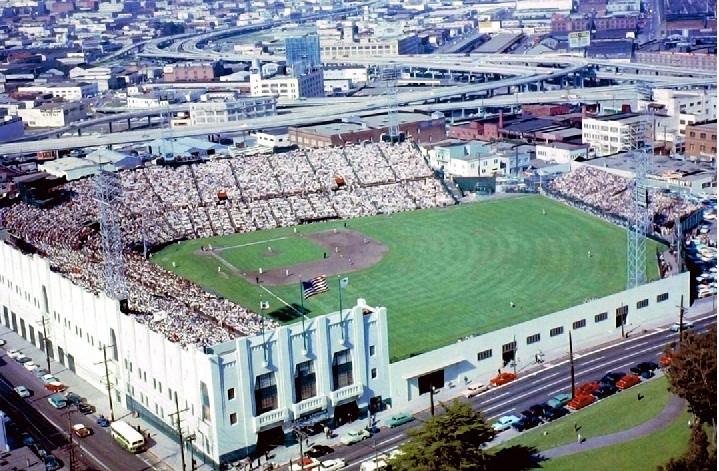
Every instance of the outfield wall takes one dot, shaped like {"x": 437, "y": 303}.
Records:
{"x": 471, "y": 358}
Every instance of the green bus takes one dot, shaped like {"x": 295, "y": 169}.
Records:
{"x": 127, "y": 437}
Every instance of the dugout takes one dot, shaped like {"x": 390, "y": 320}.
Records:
{"x": 477, "y": 185}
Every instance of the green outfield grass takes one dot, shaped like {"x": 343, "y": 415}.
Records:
{"x": 450, "y": 272}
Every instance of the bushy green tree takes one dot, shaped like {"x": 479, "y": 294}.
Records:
{"x": 455, "y": 440}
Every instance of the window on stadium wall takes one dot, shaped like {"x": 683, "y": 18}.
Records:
{"x": 265, "y": 393}
{"x": 305, "y": 381}
{"x": 508, "y": 352}
{"x": 342, "y": 370}
{"x": 205, "y": 399}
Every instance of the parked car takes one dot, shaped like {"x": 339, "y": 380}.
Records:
{"x": 22, "y": 391}
{"x": 684, "y": 326}
{"x": 2, "y": 342}
{"x": 73, "y": 398}
{"x": 399, "y": 419}
{"x": 332, "y": 465}
{"x": 537, "y": 410}
{"x": 81, "y": 431}
{"x": 628, "y": 381}
{"x": 581, "y": 401}
{"x": 57, "y": 401}
{"x": 605, "y": 391}
{"x": 474, "y": 390}
{"x": 102, "y": 421}
{"x": 13, "y": 353}
{"x": 525, "y": 423}
{"x": 560, "y": 400}
{"x": 55, "y": 387}
{"x": 612, "y": 378}
{"x": 647, "y": 374}
{"x": 22, "y": 358}
{"x": 85, "y": 408}
{"x": 665, "y": 360}
{"x": 48, "y": 378}
{"x": 586, "y": 389}
{"x": 503, "y": 378}
{"x": 504, "y": 422}
{"x": 355, "y": 436}
{"x": 317, "y": 450}
{"x": 644, "y": 366}
{"x": 51, "y": 463}
{"x": 30, "y": 365}
{"x": 555, "y": 413}
{"x": 39, "y": 372}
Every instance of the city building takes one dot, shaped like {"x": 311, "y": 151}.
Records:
{"x": 614, "y": 133}
{"x": 11, "y": 128}
{"x": 701, "y": 141}
{"x": 273, "y": 138}
{"x": 686, "y": 107}
{"x": 106, "y": 78}
{"x": 227, "y": 111}
{"x": 193, "y": 72}
{"x": 52, "y": 115}
{"x": 418, "y": 127}
{"x": 307, "y": 85}
{"x": 370, "y": 47}
{"x": 67, "y": 91}
{"x": 356, "y": 74}
{"x": 685, "y": 60}
{"x": 562, "y": 152}
{"x": 303, "y": 53}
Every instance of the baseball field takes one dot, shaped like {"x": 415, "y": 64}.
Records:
{"x": 443, "y": 274}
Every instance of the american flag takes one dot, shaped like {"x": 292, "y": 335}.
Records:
{"x": 314, "y": 286}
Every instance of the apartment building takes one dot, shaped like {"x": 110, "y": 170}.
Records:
{"x": 192, "y": 72}
{"x": 686, "y": 107}
{"x": 613, "y": 133}
{"x": 686, "y": 60}
{"x": 227, "y": 111}
{"x": 308, "y": 85}
{"x": 701, "y": 141}
{"x": 562, "y": 152}
{"x": 53, "y": 115}
{"x": 373, "y": 48}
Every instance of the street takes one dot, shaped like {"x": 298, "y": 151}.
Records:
{"x": 50, "y": 427}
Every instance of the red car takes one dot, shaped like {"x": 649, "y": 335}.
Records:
{"x": 586, "y": 389}
{"x": 628, "y": 381}
{"x": 580, "y": 401}
{"x": 503, "y": 378}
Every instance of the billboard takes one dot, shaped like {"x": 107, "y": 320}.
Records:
{"x": 579, "y": 39}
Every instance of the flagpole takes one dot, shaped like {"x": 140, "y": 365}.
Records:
{"x": 264, "y": 341}
{"x": 342, "y": 320}
{"x": 302, "y": 301}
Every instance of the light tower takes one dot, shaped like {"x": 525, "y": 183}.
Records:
{"x": 108, "y": 194}
{"x": 637, "y": 141}
{"x": 389, "y": 75}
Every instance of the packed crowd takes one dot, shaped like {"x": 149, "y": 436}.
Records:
{"x": 611, "y": 194}
{"x": 164, "y": 204}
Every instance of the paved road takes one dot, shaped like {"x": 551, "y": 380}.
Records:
{"x": 50, "y": 426}
{"x": 538, "y": 385}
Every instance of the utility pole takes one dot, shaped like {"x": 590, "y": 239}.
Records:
{"x": 179, "y": 430}
{"x": 189, "y": 441}
{"x": 44, "y": 342}
{"x": 107, "y": 379}
{"x": 681, "y": 320}
{"x": 571, "y": 361}
{"x": 73, "y": 464}
{"x": 431, "y": 399}
{"x": 301, "y": 436}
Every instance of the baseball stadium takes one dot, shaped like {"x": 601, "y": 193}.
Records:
{"x": 443, "y": 273}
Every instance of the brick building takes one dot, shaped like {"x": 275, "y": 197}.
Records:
{"x": 701, "y": 141}
{"x": 586, "y": 22}
{"x": 686, "y": 60}
{"x": 414, "y": 126}
{"x": 193, "y": 72}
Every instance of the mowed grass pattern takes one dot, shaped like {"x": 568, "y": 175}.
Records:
{"x": 450, "y": 272}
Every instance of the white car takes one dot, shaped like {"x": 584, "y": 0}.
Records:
{"x": 22, "y": 391}
{"x": 13, "y": 353}
{"x": 2, "y": 342}
{"x": 332, "y": 465}
{"x": 685, "y": 326}
{"x": 474, "y": 390}
{"x": 29, "y": 365}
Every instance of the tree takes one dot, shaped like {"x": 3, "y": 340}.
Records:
{"x": 698, "y": 457}
{"x": 455, "y": 441}
{"x": 693, "y": 374}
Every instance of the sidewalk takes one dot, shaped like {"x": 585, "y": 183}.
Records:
{"x": 669, "y": 414}
{"x": 163, "y": 451}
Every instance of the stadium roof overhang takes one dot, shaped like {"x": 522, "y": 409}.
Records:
{"x": 423, "y": 370}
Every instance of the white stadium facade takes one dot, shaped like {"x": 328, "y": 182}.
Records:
{"x": 253, "y": 390}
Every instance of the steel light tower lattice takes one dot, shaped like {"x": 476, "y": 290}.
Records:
{"x": 108, "y": 194}
{"x": 389, "y": 75}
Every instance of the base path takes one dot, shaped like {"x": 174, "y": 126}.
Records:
{"x": 346, "y": 251}
{"x": 674, "y": 408}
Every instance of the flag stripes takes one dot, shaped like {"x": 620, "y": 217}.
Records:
{"x": 314, "y": 286}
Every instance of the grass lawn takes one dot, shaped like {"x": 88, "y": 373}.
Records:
{"x": 449, "y": 273}
{"x": 286, "y": 251}
{"x": 613, "y": 414}
{"x": 643, "y": 454}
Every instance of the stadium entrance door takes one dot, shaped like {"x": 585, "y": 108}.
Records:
{"x": 346, "y": 413}
{"x": 434, "y": 379}
{"x": 269, "y": 439}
